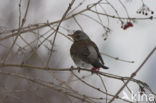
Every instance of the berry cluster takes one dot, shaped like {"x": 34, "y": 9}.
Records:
{"x": 144, "y": 10}
{"x": 126, "y": 25}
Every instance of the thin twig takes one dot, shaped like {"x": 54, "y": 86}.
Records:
{"x": 64, "y": 15}
{"x": 96, "y": 87}
{"x": 78, "y": 23}
{"x": 30, "y": 28}
{"x": 19, "y": 32}
{"x": 39, "y": 82}
{"x": 133, "y": 75}
{"x": 69, "y": 69}
{"x": 104, "y": 86}
{"x": 117, "y": 58}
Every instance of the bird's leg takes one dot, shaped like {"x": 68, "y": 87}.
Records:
{"x": 95, "y": 70}
{"x": 71, "y": 68}
{"x": 79, "y": 69}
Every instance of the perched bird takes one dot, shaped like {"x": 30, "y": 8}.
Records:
{"x": 85, "y": 53}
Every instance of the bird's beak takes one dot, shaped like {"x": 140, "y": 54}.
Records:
{"x": 71, "y": 35}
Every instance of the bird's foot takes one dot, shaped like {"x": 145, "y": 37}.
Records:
{"x": 79, "y": 69}
{"x": 71, "y": 68}
{"x": 95, "y": 70}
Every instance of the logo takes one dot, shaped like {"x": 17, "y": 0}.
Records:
{"x": 138, "y": 97}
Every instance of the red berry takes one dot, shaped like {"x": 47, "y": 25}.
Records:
{"x": 129, "y": 24}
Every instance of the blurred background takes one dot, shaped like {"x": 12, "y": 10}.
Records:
{"x": 130, "y": 46}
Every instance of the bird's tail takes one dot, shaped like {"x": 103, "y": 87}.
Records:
{"x": 98, "y": 64}
{"x": 104, "y": 67}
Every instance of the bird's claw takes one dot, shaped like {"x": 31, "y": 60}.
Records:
{"x": 79, "y": 69}
{"x": 71, "y": 68}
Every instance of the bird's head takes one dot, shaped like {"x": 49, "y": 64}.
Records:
{"x": 79, "y": 35}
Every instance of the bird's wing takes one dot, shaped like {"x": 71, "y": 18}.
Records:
{"x": 98, "y": 53}
{"x": 86, "y": 51}
{"x": 80, "y": 50}
{"x": 91, "y": 51}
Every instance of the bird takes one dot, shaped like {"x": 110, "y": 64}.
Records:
{"x": 85, "y": 53}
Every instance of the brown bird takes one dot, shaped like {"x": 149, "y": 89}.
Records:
{"x": 84, "y": 52}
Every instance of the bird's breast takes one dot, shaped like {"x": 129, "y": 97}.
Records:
{"x": 81, "y": 63}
